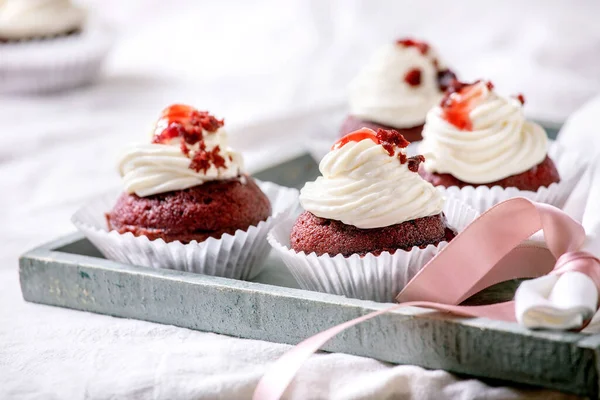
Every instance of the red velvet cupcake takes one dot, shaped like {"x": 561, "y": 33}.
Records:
{"x": 397, "y": 87}
{"x": 188, "y": 204}
{"x": 370, "y": 199}
{"x": 480, "y": 148}
{"x": 370, "y": 221}
{"x": 22, "y": 21}
{"x": 188, "y": 184}
{"x": 477, "y": 138}
{"x": 48, "y": 45}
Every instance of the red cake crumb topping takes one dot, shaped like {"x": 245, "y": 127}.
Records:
{"x": 409, "y": 42}
{"x": 403, "y": 158}
{"x": 414, "y": 162}
{"x": 413, "y": 77}
{"x": 203, "y": 159}
{"x": 186, "y": 122}
{"x": 459, "y": 100}
{"x": 189, "y": 124}
{"x": 389, "y": 139}
{"x": 521, "y": 98}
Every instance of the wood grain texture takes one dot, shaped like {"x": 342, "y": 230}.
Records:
{"x": 69, "y": 273}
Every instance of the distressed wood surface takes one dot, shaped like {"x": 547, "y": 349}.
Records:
{"x": 70, "y": 273}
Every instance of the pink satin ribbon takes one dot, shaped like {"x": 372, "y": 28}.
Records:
{"x": 484, "y": 254}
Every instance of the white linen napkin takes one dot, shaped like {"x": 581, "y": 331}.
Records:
{"x": 568, "y": 301}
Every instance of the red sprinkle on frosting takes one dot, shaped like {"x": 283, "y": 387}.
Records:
{"x": 521, "y": 98}
{"x": 459, "y": 101}
{"x": 388, "y": 139}
{"x": 190, "y": 125}
{"x": 413, "y": 77}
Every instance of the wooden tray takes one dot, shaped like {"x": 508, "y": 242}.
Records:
{"x": 70, "y": 272}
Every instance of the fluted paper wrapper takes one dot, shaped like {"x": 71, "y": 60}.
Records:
{"x": 570, "y": 167}
{"x": 379, "y": 278}
{"x": 238, "y": 256}
{"x": 54, "y": 63}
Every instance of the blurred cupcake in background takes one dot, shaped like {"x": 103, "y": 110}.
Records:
{"x": 398, "y": 86}
{"x": 22, "y": 20}
{"x": 49, "y": 45}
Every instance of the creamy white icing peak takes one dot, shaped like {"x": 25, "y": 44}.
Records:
{"x": 501, "y": 141}
{"x": 23, "y": 19}
{"x": 362, "y": 185}
{"x": 380, "y": 93}
{"x": 153, "y": 168}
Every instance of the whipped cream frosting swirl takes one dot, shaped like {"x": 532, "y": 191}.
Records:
{"x": 362, "y": 185}
{"x": 499, "y": 141}
{"x": 153, "y": 168}
{"x": 381, "y": 94}
{"x": 24, "y": 19}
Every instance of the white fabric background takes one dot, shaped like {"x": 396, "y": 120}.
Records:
{"x": 245, "y": 61}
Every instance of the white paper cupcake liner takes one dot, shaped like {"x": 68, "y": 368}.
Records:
{"x": 238, "y": 256}
{"x": 58, "y": 63}
{"x": 570, "y": 167}
{"x": 379, "y": 278}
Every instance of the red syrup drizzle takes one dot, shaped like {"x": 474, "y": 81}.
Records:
{"x": 190, "y": 125}
{"x": 356, "y": 136}
{"x": 459, "y": 101}
{"x": 388, "y": 139}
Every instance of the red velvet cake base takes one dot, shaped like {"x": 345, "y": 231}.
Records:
{"x": 352, "y": 124}
{"x": 325, "y": 236}
{"x": 197, "y": 213}
{"x": 542, "y": 175}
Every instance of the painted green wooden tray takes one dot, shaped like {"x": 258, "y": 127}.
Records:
{"x": 70, "y": 272}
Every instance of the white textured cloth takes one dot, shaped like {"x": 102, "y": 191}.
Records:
{"x": 60, "y": 150}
